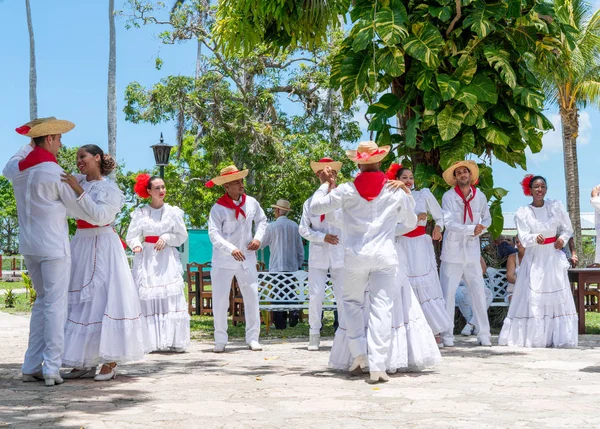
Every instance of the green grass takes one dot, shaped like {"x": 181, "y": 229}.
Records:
{"x": 592, "y": 323}
{"x": 12, "y": 285}
{"x": 21, "y": 306}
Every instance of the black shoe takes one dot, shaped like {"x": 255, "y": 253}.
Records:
{"x": 279, "y": 319}
{"x": 294, "y": 318}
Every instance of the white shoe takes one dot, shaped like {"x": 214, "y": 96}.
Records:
{"x": 377, "y": 376}
{"x": 485, "y": 342}
{"x": 467, "y": 330}
{"x": 51, "y": 380}
{"x": 178, "y": 349}
{"x": 313, "y": 344}
{"x": 219, "y": 348}
{"x": 108, "y": 376}
{"x": 255, "y": 346}
{"x": 448, "y": 342}
{"x": 36, "y": 376}
{"x": 79, "y": 373}
{"x": 360, "y": 362}
{"x": 439, "y": 342}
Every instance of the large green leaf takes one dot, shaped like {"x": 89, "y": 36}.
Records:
{"x": 500, "y": 60}
{"x": 466, "y": 97}
{"x": 431, "y": 98}
{"x": 483, "y": 88}
{"x": 448, "y": 87}
{"x": 495, "y": 229}
{"x": 391, "y": 60}
{"x": 356, "y": 76}
{"x": 449, "y": 122}
{"x": 457, "y": 150}
{"x": 390, "y": 24}
{"x": 411, "y": 131}
{"x": 538, "y": 120}
{"x": 535, "y": 140}
{"x": 443, "y": 13}
{"x": 388, "y": 105}
{"x": 479, "y": 19}
{"x": 424, "y": 43}
{"x": 363, "y": 34}
{"x": 495, "y": 135}
{"x": 423, "y": 78}
{"x": 529, "y": 98}
{"x": 467, "y": 67}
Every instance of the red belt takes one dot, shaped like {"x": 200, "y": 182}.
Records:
{"x": 81, "y": 224}
{"x": 550, "y": 240}
{"x": 417, "y": 232}
{"x": 152, "y": 239}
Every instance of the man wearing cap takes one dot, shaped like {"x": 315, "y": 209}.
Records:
{"x": 286, "y": 252}
{"x": 325, "y": 254}
{"x": 42, "y": 204}
{"x": 466, "y": 216}
{"x": 370, "y": 212}
{"x": 234, "y": 253}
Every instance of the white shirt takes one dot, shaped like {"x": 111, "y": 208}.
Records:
{"x": 320, "y": 254}
{"x": 368, "y": 226}
{"x": 42, "y": 203}
{"x": 102, "y": 201}
{"x": 425, "y": 202}
{"x": 227, "y": 233}
{"x": 166, "y": 223}
{"x": 549, "y": 220}
{"x": 595, "y": 201}
{"x": 283, "y": 239}
{"x": 459, "y": 244}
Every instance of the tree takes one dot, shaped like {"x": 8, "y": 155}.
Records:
{"x": 112, "y": 86}
{"x": 457, "y": 78}
{"x": 32, "y": 67}
{"x": 9, "y": 221}
{"x": 572, "y": 81}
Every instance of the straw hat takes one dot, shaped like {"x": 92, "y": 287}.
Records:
{"x": 325, "y": 162}
{"x": 368, "y": 153}
{"x": 45, "y": 127}
{"x": 282, "y": 204}
{"x": 227, "y": 174}
{"x": 448, "y": 175}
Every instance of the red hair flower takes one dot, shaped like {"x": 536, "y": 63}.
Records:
{"x": 393, "y": 170}
{"x": 525, "y": 184}
{"x": 23, "y": 130}
{"x": 141, "y": 185}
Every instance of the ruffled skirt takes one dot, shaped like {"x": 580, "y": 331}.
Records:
{"x": 105, "y": 319}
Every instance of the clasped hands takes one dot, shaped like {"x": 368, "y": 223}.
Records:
{"x": 159, "y": 245}
{"x": 558, "y": 244}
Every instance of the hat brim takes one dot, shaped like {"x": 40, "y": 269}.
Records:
{"x": 448, "y": 175}
{"x": 275, "y": 206}
{"x": 221, "y": 180}
{"x": 49, "y": 128}
{"x": 352, "y": 155}
{"x": 319, "y": 166}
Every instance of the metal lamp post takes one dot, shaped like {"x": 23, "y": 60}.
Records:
{"x": 162, "y": 151}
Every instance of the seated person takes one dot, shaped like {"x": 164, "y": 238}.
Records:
{"x": 464, "y": 304}
{"x": 512, "y": 269}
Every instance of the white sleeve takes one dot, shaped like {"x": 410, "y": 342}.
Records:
{"x": 135, "y": 231}
{"x": 260, "y": 221}
{"x": 449, "y": 223}
{"x": 408, "y": 218}
{"x": 12, "y": 166}
{"x": 486, "y": 218}
{"x": 565, "y": 231}
{"x": 595, "y": 202}
{"x": 178, "y": 233}
{"x": 433, "y": 207}
{"x": 215, "y": 232}
{"x": 323, "y": 202}
{"x": 105, "y": 208}
{"x": 527, "y": 238}
{"x": 305, "y": 227}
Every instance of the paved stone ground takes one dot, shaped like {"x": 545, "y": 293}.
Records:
{"x": 286, "y": 386}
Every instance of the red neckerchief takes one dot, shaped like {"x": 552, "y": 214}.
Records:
{"x": 467, "y": 202}
{"x": 35, "y": 157}
{"x": 226, "y": 201}
{"x": 370, "y": 183}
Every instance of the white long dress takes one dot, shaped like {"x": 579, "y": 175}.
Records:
{"x": 542, "y": 310}
{"x": 158, "y": 275}
{"x": 421, "y": 267}
{"x": 105, "y": 318}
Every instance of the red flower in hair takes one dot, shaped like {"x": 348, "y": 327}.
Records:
{"x": 392, "y": 171}
{"x": 141, "y": 185}
{"x": 525, "y": 184}
{"x": 23, "y": 130}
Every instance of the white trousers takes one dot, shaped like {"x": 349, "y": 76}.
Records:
{"x": 450, "y": 276}
{"x": 381, "y": 285}
{"x": 50, "y": 277}
{"x": 317, "y": 282}
{"x": 247, "y": 279}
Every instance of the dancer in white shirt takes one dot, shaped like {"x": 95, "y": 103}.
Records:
{"x": 466, "y": 216}
{"x": 154, "y": 233}
{"x": 234, "y": 253}
{"x": 542, "y": 311}
{"x": 42, "y": 204}
{"x": 370, "y": 213}
{"x": 326, "y": 254}
{"x": 105, "y": 324}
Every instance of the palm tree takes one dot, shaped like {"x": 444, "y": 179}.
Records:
{"x": 572, "y": 83}
{"x": 112, "y": 86}
{"x": 32, "y": 67}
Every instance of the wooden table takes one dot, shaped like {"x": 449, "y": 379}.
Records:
{"x": 583, "y": 277}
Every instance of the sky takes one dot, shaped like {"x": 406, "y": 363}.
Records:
{"x": 71, "y": 39}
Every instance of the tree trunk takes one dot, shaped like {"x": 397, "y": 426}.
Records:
{"x": 570, "y": 129}
{"x": 112, "y": 86}
{"x": 32, "y": 68}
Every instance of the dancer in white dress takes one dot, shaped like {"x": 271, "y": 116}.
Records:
{"x": 104, "y": 324}
{"x": 154, "y": 233}
{"x": 415, "y": 251}
{"x": 542, "y": 312}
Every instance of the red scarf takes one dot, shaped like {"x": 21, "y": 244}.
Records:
{"x": 370, "y": 183}
{"x": 35, "y": 157}
{"x": 467, "y": 202}
{"x": 226, "y": 201}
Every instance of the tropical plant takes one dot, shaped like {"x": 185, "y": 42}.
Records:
{"x": 10, "y": 299}
{"x": 9, "y": 221}
{"x": 30, "y": 290}
{"x": 572, "y": 81}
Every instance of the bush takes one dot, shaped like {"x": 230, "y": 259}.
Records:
{"x": 10, "y": 299}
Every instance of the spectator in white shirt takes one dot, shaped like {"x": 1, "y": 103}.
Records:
{"x": 595, "y": 201}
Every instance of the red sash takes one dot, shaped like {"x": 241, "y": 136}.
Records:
{"x": 467, "y": 202}
{"x": 417, "y": 232}
{"x": 226, "y": 201}
{"x": 550, "y": 240}
{"x": 370, "y": 183}
{"x": 35, "y": 157}
{"x": 152, "y": 239}
{"x": 81, "y": 224}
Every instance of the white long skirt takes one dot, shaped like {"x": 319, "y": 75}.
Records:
{"x": 105, "y": 318}
{"x": 542, "y": 310}
{"x": 159, "y": 281}
{"x": 417, "y": 256}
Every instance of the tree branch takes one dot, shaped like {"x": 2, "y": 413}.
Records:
{"x": 456, "y": 18}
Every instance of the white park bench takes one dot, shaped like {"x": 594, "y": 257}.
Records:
{"x": 495, "y": 279}
{"x": 282, "y": 291}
